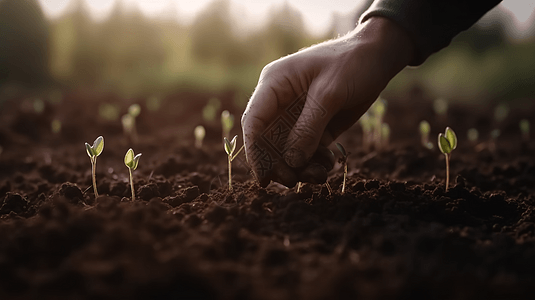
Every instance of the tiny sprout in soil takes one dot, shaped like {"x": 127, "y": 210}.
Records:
{"x": 367, "y": 134}
{"x": 55, "y": 126}
{"x": 199, "y": 133}
{"x": 472, "y": 135}
{"x": 343, "y": 161}
{"x": 227, "y": 122}
{"x": 131, "y": 162}
{"x": 129, "y": 122}
{"x": 385, "y": 134}
{"x": 93, "y": 152}
{"x": 447, "y": 142}
{"x": 230, "y": 147}
{"x": 425, "y": 129}
{"x": 524, "y": 128}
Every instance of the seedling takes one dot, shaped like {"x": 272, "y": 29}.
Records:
{"x": 38, "y": 106}
{"x": 93, "y": 152}
{"x": 366, "y": 123}
{"x": 299, "y": 186}
{"x": 425, "y": 129}
{"x": 343, "y": 161}
{"x": 440, "y": 106}
{"x": 199, "y": 133}
{"x": 500, "y": 112}
{"x": 472, "y": 135}
{"x": 227, "y": 122}
{"x": 108, "y": 111}
{"x": 55, "y": 126}
{"x": 230, "y": 147}
{"x": 447, "y": 142}
{"x": 129, "y": 122}
{"x": 524, "y": 128}
{"x": 385, "y": 134}
{"x": 131, "y": 162}
{"x": 210, "y": 109}
{"x": 378, "y": 109}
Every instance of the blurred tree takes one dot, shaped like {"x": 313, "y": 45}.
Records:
{"x": 23, "y": 42}
{"x": 286, "y": 30}
{"x": 211, "y": 33}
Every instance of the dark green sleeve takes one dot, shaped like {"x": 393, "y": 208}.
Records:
{"x": 432, "y": 24}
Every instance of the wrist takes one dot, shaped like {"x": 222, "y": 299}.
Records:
{"x": 389, "y": 42}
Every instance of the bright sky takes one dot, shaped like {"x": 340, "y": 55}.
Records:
{"x": 316, "y": 13}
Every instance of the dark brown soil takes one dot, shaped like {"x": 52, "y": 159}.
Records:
{"x": 396, "y": 233}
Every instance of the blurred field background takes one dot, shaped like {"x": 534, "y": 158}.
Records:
{"x": 120, "y": 46}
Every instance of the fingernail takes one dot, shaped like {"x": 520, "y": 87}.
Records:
{"x": 295, "y": 158}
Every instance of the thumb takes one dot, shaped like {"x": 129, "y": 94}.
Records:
{"x": 305, "y": 136}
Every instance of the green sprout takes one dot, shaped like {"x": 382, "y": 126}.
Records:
{"x": 500, "y": 112}
{"x": 199, "y": 133}
{"x": 385, "y": 134}
{"x": 524, "y": 128}
{"x": 366, "y": 122}
{"x": 227, "y": 122}
{"x": 378, "y": 109}
{"x": 472, "y": 135}
{"x": 55, "y": 126}
{"x": 38, "y": 105}
{"x": 108, "y": 111}
{"x": 230, "y": 147}
{"x": 131, "y": 162}
{"x": 425, "y": 130}
{"x": 129, "y": 122}
{"x": 210, "y": 109}
{"x": 93, "y": 152}
{"x": 447, "y": 142}
{"x": 343, "y": 161}
{"x": 440, "y": 106}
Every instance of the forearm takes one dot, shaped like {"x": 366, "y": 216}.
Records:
{"x": 431, "y": 24}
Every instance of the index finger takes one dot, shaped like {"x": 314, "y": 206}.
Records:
{"x": 265, "y": 136}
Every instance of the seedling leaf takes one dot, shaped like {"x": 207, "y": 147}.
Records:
{"x": 129, "y": 159}
{"x": 452, "y": 138}
{"x": 134, "y": 110}
{"x": 341, "y": 149}
{"x": 98, "y": 146}
{"x": 444, "y": 144}
{"x": 89, "y": 150}
{"x": 136, "y": 161}
{"x": 230, "y": 146}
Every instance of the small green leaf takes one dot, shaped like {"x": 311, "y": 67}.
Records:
{"x": 134, "y": 110}
{"x": 452, "y": 138}
{"x": 89, "y": 150}
{"x": 129, "y": 158}
{"x": 425, "y": 128}
{"x": 230, "y": 146}
{"x": 341, "y": 149}
{"x": 136, "y": 161}
{"x": 233, "y": 143}
{"x": 444, "y": 144}
{"x": 227, "y": 145}
{"x": 98, "y": 146}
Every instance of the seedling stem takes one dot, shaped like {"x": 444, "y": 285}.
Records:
{"x": 93, "y": 152}
{"x": 447, "y": 142}
{"x": 229, "y": 148}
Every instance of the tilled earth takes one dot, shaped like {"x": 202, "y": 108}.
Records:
{"x": 395, "y": 234}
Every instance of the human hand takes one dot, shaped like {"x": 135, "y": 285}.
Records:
{"x": 304, "y": 101}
